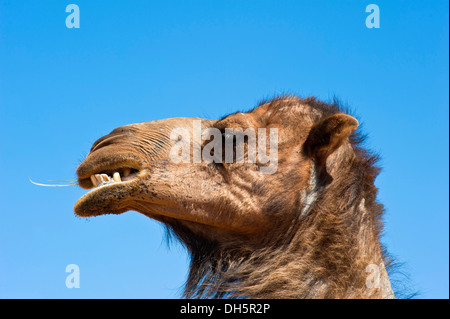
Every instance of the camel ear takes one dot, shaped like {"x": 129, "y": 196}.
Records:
{"x": 328, "y": 134}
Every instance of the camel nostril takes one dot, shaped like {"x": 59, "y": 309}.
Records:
{"x": 111, "y": 138}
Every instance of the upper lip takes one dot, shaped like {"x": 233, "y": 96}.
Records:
{"x": 107, "y": 164}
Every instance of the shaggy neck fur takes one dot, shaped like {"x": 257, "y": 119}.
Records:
{"x": 323, "y": 251}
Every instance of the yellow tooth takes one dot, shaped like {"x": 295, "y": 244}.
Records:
{"x": 126, "y": 172}
{"x": 116, "y": 177}
{"x": 94, "y": 180}
{"x": 105, "y": 177}
{"x": 99, "y": 178}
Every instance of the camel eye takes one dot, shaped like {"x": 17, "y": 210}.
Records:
{"x": 234, "y": 145}
{"x": 228, "y": 146}
{"x": 228, "y": 137}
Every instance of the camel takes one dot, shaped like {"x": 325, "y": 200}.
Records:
{"x": 310, "y": 229}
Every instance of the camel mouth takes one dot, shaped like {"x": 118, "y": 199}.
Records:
{"x": 109, "y": 176}
{"x": 110, "y": 180}
{"x": 106, "y": 165}
{"x": 109, "y": 193}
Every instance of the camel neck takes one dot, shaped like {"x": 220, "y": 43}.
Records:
{"x": 328, "y": 257}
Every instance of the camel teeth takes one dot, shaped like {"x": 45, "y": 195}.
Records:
{"x": 126, "y": 172}
{"x": 99, "y": 178}
{"x": 94, "y": 181}
{"x": 116, "y": 177}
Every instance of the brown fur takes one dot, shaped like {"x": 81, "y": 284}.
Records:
{"x": 254, "y": 235}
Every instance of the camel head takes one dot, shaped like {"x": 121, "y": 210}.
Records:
{"x": 190, "y": 170}
{"x": 278, "y": 201}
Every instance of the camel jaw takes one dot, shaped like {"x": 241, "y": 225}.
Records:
{"x": 106, "y": 199}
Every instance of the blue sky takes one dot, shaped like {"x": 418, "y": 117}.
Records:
{"x": 135, "y": 61}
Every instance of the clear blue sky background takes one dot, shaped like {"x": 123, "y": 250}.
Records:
{"x": 135, "y": 61}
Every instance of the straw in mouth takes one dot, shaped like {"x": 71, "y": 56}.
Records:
{"x": 53, "y": 185}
